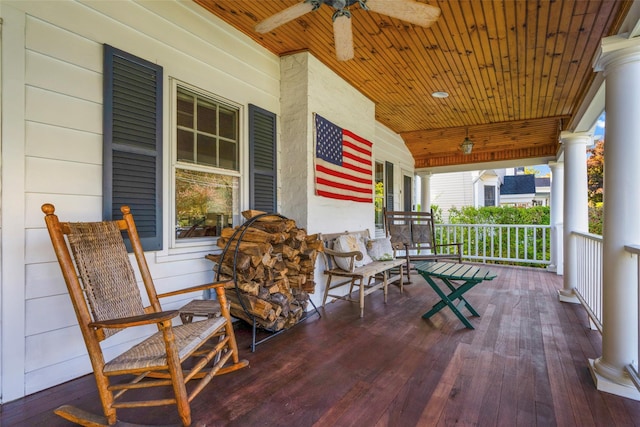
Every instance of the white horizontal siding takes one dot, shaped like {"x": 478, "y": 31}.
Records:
{"x": 53, "y": 74}
{"x": 56, "y": 139}
{"x": 44, "y": 106}
{"x": 72, "y": 207}
{"x": 449, "y": 190}
{"x": 59, "y": 177}
{"x": 55, "y": 142}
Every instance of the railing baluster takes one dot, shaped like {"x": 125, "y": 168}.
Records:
{"x": 508, "y": 243}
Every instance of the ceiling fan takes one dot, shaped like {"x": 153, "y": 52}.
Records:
{"x": 406, "y": 10}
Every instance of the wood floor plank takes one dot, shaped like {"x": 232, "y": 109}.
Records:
{"x": 524, "y": 364}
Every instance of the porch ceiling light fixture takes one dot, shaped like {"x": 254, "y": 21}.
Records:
{"x": 440, "y": 94}
{"x": 467, "y": 144}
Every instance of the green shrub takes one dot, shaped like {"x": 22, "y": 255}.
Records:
{"x": 537, "y": 215}
{"x": 489, "y": 241}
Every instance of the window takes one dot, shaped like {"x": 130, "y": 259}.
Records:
{"x": 489, "y": 195}
{"x": 388, "y": 176}
{"x": 379, "y": 197}
{"x": 207, "y": 177}
{"x": 407, "y": 189}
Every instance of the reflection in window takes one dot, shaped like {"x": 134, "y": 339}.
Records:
{"x": 205, "y": 203}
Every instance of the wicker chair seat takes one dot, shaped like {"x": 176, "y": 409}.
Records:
{"x": 151, "y": 353}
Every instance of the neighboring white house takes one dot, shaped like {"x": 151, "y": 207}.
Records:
{"x": 491, "y": 187}
{"x": 58, "y": 65}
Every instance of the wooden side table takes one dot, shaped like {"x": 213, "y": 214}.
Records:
{"x": 200, "y": 308}
{"x": 458, "y": 278}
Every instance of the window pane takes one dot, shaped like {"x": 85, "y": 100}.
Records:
{"x": 185, "y": 110}
{"x": 206, "y": 150}
{"x": 206, "y": 117}
{"x": 185, "y": 146}
{"x": 205, "y": 203}
{"x": 379, "y": 196}
{"x": 489, "y": 195}
{"x": 228, "y": 155}
{"x": 228, "y": 126}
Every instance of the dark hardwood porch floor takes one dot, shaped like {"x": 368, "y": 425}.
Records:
{"x": 525, "y": 364}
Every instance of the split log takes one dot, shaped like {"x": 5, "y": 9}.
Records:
{"x": 274, "y": 270}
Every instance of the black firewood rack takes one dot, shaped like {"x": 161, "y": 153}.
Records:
{"x": 239, "y": 234}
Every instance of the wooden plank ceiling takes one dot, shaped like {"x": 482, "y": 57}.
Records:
{"x": 515, "y": 70}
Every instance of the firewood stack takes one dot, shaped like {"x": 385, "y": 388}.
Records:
{"x": 274, "y": 270}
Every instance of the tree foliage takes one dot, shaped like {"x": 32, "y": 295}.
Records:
{"x": 595, "y": 173}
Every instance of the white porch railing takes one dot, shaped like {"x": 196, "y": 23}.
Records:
{"x": 510, "y": 243}
{"x": 631, "y": 368}
{"x": 588, "y": 250}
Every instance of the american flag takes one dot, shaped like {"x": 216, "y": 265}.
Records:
{"x": 343, "y": 164}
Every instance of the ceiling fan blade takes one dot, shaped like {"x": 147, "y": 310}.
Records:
{"x": 407, "y": 10}
{"x": 343, "y": 37}
{"x": 287, "y": 15}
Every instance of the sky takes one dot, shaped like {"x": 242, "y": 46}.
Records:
{"x": 598, "y": 134}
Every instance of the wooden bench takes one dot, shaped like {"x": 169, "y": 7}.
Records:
{"x": 368, "y": 278}
{"x": 413, "y": 235}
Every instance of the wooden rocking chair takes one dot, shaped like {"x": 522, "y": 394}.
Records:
{"x": 106, "y": 298}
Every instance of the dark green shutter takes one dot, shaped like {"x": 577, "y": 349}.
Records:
{"x": 388, "y": 187}
{"x": 132, "y": 171}
{"x": 406, "y": 187}
{"x": 262, "y": 160}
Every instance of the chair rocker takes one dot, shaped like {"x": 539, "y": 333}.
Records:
{"x": 106, "y": 298}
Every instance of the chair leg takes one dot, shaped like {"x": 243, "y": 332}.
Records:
{"x": 385, "y": 285}
{"x": 177, "y": 377}
{"x": 362, "y": 281}
{"x": 326, "y": 290}
{"x": 106, "y": 397}
{"x": 232, "y": 344}
{"x": 408, "y": 264}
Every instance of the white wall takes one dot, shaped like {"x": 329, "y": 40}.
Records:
{"x": 52, "y": 152}
{"x": 454, "y": 189}
{"x": 390, "y": 147}
{"x": 309, "y": 87}
{"x": 486, "y": 179}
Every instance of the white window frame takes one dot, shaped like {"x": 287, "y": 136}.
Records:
{"x": 190, "y": 244}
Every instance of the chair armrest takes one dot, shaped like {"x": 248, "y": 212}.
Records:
{"x": 357, "y": 254}
{"x": 212, "y": 285}
{"x": 145, "y": 319}
{"x": 459, "y": 245}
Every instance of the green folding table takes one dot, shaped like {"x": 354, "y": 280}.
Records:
{"x": 459, "y": 278}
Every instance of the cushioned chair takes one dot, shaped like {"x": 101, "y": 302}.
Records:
{"x": 182, "y": 358}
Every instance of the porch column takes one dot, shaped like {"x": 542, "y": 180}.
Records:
{"x": 425, "y": 197}
{"x": 557, "y": 214}
{"x": 576, "y": 210}
{"x": 619, "y": 59}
